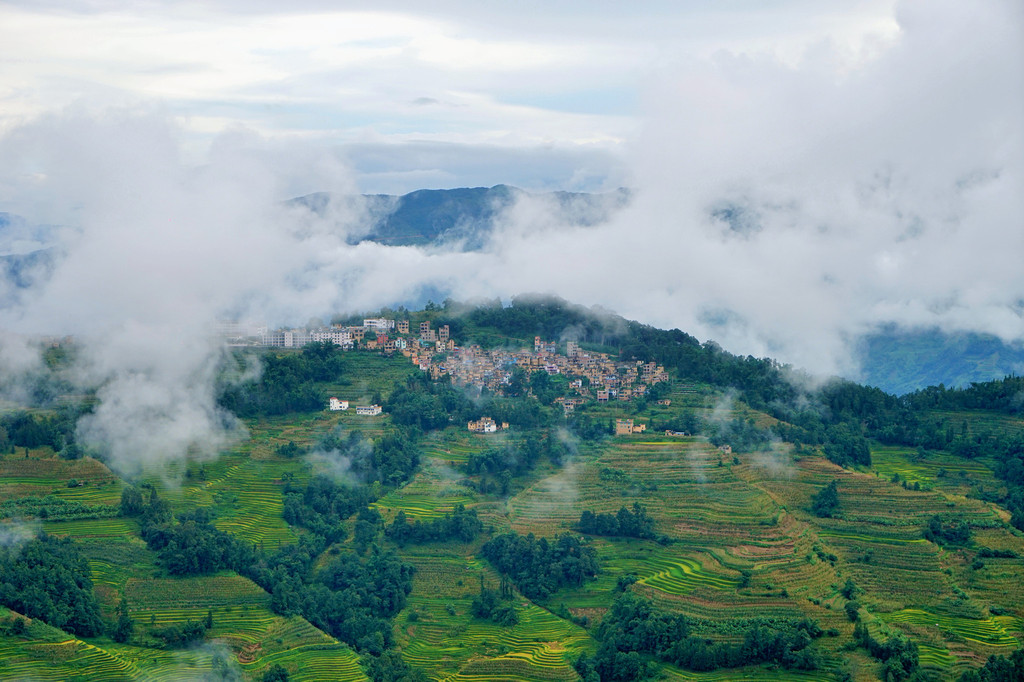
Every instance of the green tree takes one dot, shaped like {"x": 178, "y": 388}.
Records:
{"x": 125, "y": 626}
{"x": 826, "y": 503}
{"x": 276, "y": 673}
{"x": 131, "y": 502}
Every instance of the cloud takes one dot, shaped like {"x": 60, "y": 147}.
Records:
{"x": 785, "y": 208}
{"x": 784, "y": 205}
{"x": 17, "y": 533}
{"x": 160, "y": 252}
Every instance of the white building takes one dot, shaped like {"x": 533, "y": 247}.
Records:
{"x": 369, "y": 410}
{"x": 339, "y": 337}
{"x": 286, "y": 338}
{"x": 378, "y": 324}
{"x": 336, "y": 405}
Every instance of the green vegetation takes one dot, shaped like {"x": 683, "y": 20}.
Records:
{"x": 630, "y": 524}
{"x": 539, "y": 567}
{"x": 842, "y": 531}
{"x": 461, "y": 525}
{"x": 287, "y": 383}
{"x": 825, "y": 504}
{"x": 48, "y": 579}
{"x": 633, "y": 626}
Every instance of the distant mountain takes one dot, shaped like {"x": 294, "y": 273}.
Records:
{"x": 892, "y": 359}
{"x": 26, "y": 253}
{"x": 899, "y": 361}
{"x": 465, "y": 216}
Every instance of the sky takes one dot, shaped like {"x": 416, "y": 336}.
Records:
{"x": 538, "y": 94}
{"x": 802, "y": 172}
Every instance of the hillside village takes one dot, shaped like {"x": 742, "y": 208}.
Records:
{"x": 466, "y": 460}
{"x": 593, "y": 376}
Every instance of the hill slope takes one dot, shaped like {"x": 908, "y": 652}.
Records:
{"x": 900, "y": 362}
{"x": 714, "y": 544}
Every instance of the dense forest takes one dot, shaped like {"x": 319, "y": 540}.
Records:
{"x": 47, "y": 578}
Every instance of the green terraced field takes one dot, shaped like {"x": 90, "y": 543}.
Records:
{"x": 738, "y": 541}
{"x": 313, "y": 663}
{"x": 986, "y": 631}
{"x": 432, "y": 493}
{"x": 39, "y": 477}
{"x": 92, "y": 529}
{"x": 681, "y": 576}
{"x": 937, "y": 468}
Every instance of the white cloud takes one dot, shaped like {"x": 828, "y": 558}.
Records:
{"x": 785, "y": 204}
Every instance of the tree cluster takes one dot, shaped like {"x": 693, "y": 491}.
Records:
{"x": 391, "y": 459}
{"x": 323, "y": 505}
{"x": 635, "y": 523}
{"x": 998, "y": 669}
{"x": 532, "y": 315}
{"x": 461, "y": 525}
{"x": 177, "y": 636}
{"x": 825, "y": 504}
{"x": 634, "y": 629}
{"x": 287, "y": 382}
{"x": 429, "y": 404}
{"x": 352, "y": 598}
{"x": 26, "y": 430}
{"x": 947, "y": 530}
{"x": 496, "y": 605}
{"x": 48, "y": 579}
{"x": 539, "y": 567}
{"x": 898, "y": 654}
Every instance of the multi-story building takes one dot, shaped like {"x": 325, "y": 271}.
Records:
{"x": 286, "y": 338}
{"x": 378, "y": 324}
{"x": 339, "y": 337}
{"x": 483, "y": 425}
{"x": 369, "y": 410}
{"x": 403, "y": 326}
{"x": 335, "y": 405}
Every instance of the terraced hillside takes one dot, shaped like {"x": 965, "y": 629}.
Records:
{"x": 734, "y": 545}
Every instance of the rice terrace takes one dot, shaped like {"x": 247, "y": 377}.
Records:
{"x": 626, "y": 503}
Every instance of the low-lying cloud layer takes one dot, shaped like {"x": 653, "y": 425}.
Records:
{"x": 782, "y": 209}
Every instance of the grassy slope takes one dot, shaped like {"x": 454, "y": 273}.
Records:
{"x": 724, "y": 518}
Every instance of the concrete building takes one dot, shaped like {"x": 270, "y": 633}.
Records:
{"x": 369, "y": 410}
{"x": 483, "y": 425}
{"x": 339, "y": 337}
{"x": 625, "y": 427}
{"x": 335, "y": 405}
{"x": 378, "y": 324}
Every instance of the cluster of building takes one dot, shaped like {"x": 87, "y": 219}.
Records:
{"x": 338, "y": 405}
{"x": 380, "y": 334}
{"x": 625, "y": 427}
{"x": 485, "y": 425}
{"x": 595, "y": 376}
